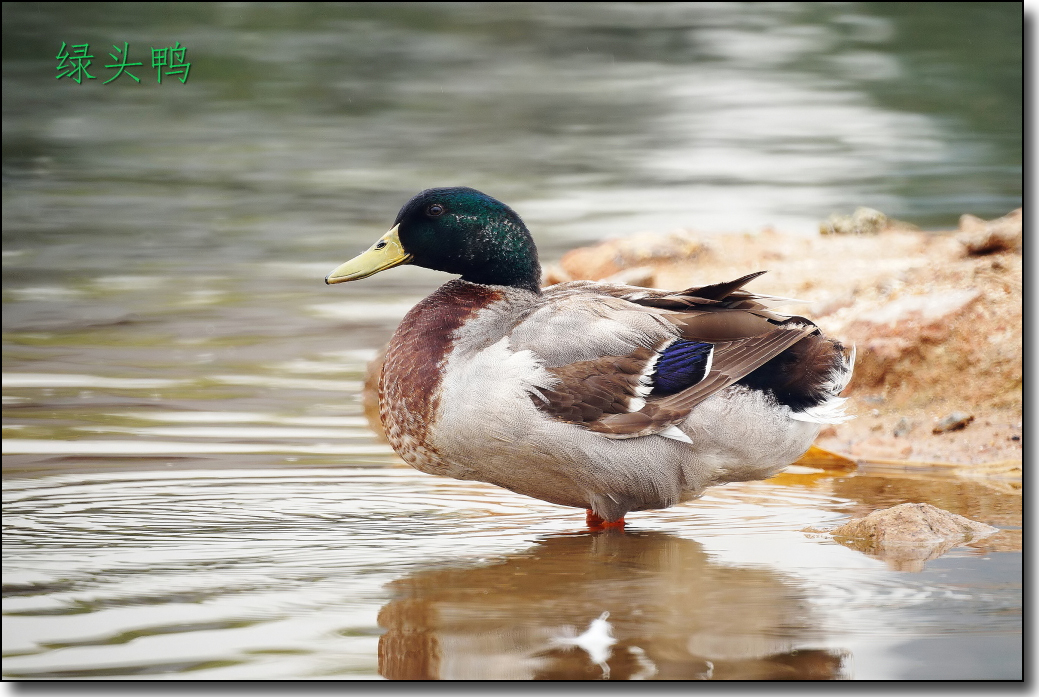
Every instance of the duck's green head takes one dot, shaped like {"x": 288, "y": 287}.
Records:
{"x": 457, "y": 230}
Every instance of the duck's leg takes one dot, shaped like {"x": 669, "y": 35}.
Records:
{"x": 596, "y": 523}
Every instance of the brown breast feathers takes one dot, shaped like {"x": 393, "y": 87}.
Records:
{"x": 409, "y": 388}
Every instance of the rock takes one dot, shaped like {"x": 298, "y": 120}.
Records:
{"x": 612, "y": 256}
{"x": 641, "y": 276}
{"x": 990, "y": 236}
{"x": 907, "y": 535}
{"x": 552, "y": 274}
{"x": 832, "y": 303}
{"x": 903, "y": 427}
{"x": 927, "y": 309}
{"x": 953, "y": 422}
{"x": 895, "y": 337}
{"x": 864, "y": 221}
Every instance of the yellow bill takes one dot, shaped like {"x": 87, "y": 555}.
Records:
{"x": 384, "y": 254}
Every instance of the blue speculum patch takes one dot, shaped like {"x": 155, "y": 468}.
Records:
{"x": 682, "y": 364}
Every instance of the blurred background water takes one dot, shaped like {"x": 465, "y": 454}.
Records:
{"x": 191, "y": 485}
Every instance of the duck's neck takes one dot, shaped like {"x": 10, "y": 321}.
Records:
{"x": 525, "y": 274}
{"x": 512, "y": 259}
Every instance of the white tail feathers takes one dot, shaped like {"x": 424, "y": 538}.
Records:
{"x": 829, "y": 412}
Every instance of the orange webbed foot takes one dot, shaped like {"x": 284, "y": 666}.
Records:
{"x": 596, "y": 523}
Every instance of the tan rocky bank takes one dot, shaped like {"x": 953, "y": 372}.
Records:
{"x": 936, "y": 319}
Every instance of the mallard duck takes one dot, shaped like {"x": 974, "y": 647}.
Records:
{"x": 606, "y": 397}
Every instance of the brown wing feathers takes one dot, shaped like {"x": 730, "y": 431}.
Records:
{"x": 732, "y": 360}
{"x": 587, "y": 390}
{"x": 720, "y": 291}
{"x": 745, "y": 334}
{"x": 721, "y": 324}
{"x": 728, "y": 295}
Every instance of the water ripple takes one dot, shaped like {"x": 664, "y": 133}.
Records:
{"x": 276, "y": 573}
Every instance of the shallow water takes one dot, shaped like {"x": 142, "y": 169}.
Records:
{"x": 379, "y": 570}
{"x": 190, "y": 486}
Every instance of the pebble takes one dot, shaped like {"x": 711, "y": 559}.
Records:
{"x": 903, "y": 427}
{"x": 953, "y": 422}
{"x": 991, "y": 236}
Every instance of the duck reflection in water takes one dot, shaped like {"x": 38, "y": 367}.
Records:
{"x": 601, "y": 605}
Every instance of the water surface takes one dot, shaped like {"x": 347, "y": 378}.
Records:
{"x": 378, "y": 570}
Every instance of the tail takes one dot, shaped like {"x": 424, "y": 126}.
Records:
{"x": 832, "y": 409}
{"x": 806, "y": 375}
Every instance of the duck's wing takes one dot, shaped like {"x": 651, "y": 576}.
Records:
{"x": 602, "y": 344}
{"x": 729, "y": 293}
{"x": 597, "y": 349}
{"x": 730, "y": 361}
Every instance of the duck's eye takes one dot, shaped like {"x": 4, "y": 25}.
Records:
{"x": 380, "y": 244}
{"x": 434, "y": 210}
